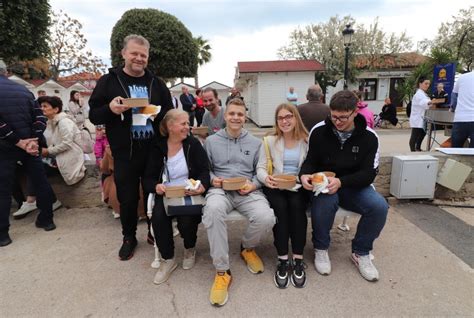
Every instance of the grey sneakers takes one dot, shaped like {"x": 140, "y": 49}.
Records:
{"x": 167, "y": 266}
{"x": 366, "y": 267}
{"x": 189, "y": 258}
{"x": 322, "y": 262}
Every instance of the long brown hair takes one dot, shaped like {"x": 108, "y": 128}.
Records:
{"x": 299, "y": 132}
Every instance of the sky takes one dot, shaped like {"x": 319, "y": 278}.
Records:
{"x": 254, "y": 30}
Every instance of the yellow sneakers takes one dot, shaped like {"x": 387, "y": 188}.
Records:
{"x": 219, "y": 290}
{"x": 254, "y": 263}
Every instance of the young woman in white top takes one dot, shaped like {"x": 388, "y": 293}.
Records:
{"x": 419, "y": 104}
{"x": 287, "y": 147}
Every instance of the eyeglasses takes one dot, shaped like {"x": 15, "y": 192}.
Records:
{"x": 342, "y": 119}
{"x": 285, "y": 118}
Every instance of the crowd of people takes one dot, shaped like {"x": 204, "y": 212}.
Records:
{"x": 330, "y": 151}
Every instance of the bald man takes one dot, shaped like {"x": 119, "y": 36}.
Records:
{"x": 314, "y": 111}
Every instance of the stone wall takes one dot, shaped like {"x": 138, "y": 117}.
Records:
{"x": 382, "y": 181}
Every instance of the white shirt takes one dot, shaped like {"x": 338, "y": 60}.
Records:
{"x": 464, "y": 87}
{"x": 177, "y": 169}
{"x": 419, "y": 104}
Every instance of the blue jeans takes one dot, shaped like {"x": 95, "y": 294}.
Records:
{"x": 462, "y": 131}
{"x": 36, "y": 174}
{"x": 366, "y": 201}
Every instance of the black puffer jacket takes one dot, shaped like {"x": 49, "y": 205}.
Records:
{"x": 196, "y": 159}
{"x": 110, "y": 86}
{"x": 20, "y": 115}
{"x": 355, "y": 163}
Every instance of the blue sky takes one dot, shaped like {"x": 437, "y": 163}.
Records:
{"x": 253, "y": 30}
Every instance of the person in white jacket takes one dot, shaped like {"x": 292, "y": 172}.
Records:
{"x": 419, "y": 104}
{"x": 287, "y": 149}
{"x": 64, "y": 141}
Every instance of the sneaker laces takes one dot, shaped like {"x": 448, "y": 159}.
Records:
{"x": 282, "y": 267}
{"x": 365, "y": 263}
{"x": 322, "y": 256}
{"x": 299, "y": 267}
{"x": 250, "y": 255}
{"x": 221, "y": 281}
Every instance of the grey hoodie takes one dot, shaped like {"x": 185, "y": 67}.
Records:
{"x": 233, "y": 157}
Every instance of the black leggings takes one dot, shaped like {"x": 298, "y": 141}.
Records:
{"x": 290, "y": 211}
{"x": 416, "y": 138}
{"x": 187, "y": 226}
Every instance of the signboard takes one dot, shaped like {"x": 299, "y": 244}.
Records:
{"x": 444, "y": 73}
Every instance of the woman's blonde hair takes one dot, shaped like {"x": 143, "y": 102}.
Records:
{"x": 170, "y": 117}
{"x": 299, "y": 132}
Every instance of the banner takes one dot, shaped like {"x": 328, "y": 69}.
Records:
{"x": 444, "y": 73}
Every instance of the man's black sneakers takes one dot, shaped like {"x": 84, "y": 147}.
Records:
{"x": 5, "y": 239}
{"x": 49, "y": 226}
{"x": 126, "y": 251}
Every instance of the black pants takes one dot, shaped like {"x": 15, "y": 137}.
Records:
{"x": 162, "y": 227}
{"x": 416, "y": 138}
{"x": 290, "y": 211}
{"x": 199, "y": 115}
{"x": 191, "y": 118}
{"x": 35, "y": 171}
{"x": 128, "y": 174}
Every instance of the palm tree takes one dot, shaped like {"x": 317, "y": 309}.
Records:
{"x": 204, "y": 55}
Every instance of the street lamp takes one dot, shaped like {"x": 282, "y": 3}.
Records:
{"x": 347, "y": 35}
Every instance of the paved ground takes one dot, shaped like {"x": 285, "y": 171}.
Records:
{"x": 74, "y": 271}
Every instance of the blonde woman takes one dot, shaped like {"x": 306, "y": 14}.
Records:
{"x": 178, "y": 156}
{"x": 287, "y": 148}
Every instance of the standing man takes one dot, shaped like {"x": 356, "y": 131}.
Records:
{"x": 189, "y": 104}
{"x": 233, "y": 152}
{"x": 21, "y": 125}
{"x": 345, "y": 145}
{"x": 292, "y": 97}
{"x": 234, "y": 93}
{"x": 463, "y": 107}
{"x": 214, "y": 117}
{"x": 314, "y": 111}
{"x": 128, "y": 137}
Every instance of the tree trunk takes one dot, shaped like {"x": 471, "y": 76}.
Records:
{"x": 196, "y": 81}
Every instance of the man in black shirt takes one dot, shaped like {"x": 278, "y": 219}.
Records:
{"x": 130, "y": 134}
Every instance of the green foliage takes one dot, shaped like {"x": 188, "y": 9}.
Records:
{"x": 457, "y": 38}
{"x": 173, "y": 51}
{"x": 324, "y": 42}
{"x": 23, "y": 29}
{"x": 204, "y": 55}
{"x": 68, "y": 51}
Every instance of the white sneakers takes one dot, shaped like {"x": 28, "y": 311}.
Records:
{"x": 25, "y": 208}
{"x": 322, "y": 262}
{"x": 189, "y": 258}
{"x": 167, "y": 266}
{"x": 363, "y": 263}
{"x": 366, "y": 267}
{"x": 28, "y": 207}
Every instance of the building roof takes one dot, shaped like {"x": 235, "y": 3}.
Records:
{"x": 83, "y": 76}
{"x": 279, "y": 66}
{"x": 389, "y": 61}
{"x": 216, "y": 85}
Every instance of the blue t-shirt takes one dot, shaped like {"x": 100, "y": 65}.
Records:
{"x": 291, "y": 159}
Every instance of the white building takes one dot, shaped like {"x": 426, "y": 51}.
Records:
{"x": 176, "y": 91}
{"x": 264, "y": 85}
{"x": 382, "y": 79}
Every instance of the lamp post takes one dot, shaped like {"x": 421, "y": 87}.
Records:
{"x": 347, "y": 36}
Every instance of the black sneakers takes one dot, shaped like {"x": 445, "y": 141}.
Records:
{"x": 46, "y": 226}
{"x": 298, "y": 275}
{"x": 126, "y": 251}
{"x": 5, "y": 239}
{"x": 281, "y": 278}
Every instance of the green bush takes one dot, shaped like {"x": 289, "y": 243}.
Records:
{"x": 173, "y": 53}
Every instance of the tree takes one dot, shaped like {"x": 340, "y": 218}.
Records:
{"x": 457, "y": 38}
{"x": 204, "y": 55}
{"x": 324, "y": 42}
{"x": 68, "y": 53}
{"x": 23, "y": 29}
{"x": 173, "y": 52}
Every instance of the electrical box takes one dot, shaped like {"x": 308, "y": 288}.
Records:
{"x": 453, "y": 174}
{"x": 413, "y": 176}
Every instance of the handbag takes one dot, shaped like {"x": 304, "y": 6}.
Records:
{"x": 86, "y": 144}
{"x": 269, "y": 156}
{"x": 184, "y": 206}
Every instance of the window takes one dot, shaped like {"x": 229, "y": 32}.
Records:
{"x": 369, "y": 88}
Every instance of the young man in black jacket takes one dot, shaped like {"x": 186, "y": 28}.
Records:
{"x": 345, "y": 145}
{"x": 129, "y": 136}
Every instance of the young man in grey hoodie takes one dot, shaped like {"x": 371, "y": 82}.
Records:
{"x": 233, "y": 152}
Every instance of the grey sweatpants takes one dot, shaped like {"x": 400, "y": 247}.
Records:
{"x": 219, "y": 203}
